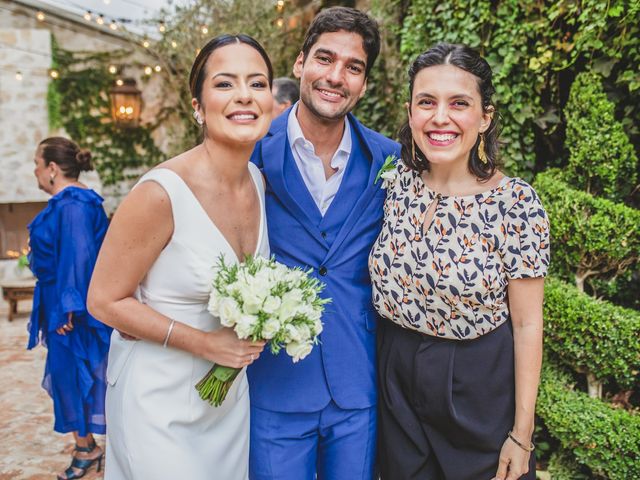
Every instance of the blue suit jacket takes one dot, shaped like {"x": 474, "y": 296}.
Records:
{"x": 336, "y": 247}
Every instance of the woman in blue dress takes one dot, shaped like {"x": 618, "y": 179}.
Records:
{"x": 65, "y": 238}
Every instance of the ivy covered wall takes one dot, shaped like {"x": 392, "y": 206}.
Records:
{"x": 535, "y": 49}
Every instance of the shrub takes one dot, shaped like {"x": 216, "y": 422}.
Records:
{"x": 602, "y": 160}
{"x": 591, "y": 335}
{"x": 605, "y": 439}
{"x": 563, "y": 466}
{"x": 590, "y": 236}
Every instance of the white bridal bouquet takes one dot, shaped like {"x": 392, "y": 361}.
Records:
{"x": 262, "y": 299}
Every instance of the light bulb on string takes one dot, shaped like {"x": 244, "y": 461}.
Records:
{"x": 119, "y": 82}
{"x": 148, "y": 70}
{"x": 106, "y": 2}
{"x": 19, "y": 76}
{"x": 100, "y": 20}
{"x": 157, "y": 68}
{"x": 280, "y": 5}
{"x": 40, "y": 16}
{"x": 113, "y": 69}
{"x": 113, "y": 25}
{"x": 146, "y": 44}
{"x": 204, "y": 29}
{"x": 87, "y": 16}
{"x": 53, "y": 73}
{"x": 174, "y": 44}
{"x": 161, "y": 27}
{"x": 280, "y": 22}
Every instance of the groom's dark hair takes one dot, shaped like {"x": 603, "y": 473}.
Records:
{"x": 336, "y": 19}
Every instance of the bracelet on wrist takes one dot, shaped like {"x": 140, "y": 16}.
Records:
{"x": 529, "y": 448}
{"x": 166, "y": 339}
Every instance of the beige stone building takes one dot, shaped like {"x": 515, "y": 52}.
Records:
{"x": 26, "y": 29}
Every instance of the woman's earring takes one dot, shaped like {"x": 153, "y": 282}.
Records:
{"x": 51, "y": 179}
{"x": 198, "y": 117}
{"x": 482, "y": 155}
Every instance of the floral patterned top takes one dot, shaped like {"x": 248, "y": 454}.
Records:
{"x": 449, "y": 278}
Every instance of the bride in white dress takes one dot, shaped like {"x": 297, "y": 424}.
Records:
{"x": 152, "y": 279}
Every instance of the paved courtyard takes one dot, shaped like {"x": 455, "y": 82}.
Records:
{"x": 29, "y": 448}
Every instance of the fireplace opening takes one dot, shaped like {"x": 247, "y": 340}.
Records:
{"x": 14, "y": 236}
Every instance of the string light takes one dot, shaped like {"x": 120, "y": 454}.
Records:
{"x": 40, "y": 16}
{"x": 146, "y": 44}
{"x": 53, "y": 73}
{"x": 174, "y": 44}
{"x": 119, "y": 82}
{"x": 113, "y": 25}
{"x": 100, "y": 20}
{"x": 106, "y": 2}
{"x": 148, "y": 70}
{"x": 113, "y": 69}
{"x": 161, "y": 27}
{"x": 280, "y": 5}
{"x": 280, "y": 22}
{"x": 19, "y": 76}
{"x": 204, "y": 29}
{"x": 87, "y": 16}
{"x": 157, "y": 68}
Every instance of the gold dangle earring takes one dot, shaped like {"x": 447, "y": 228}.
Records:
{"x": 482, "y": 155}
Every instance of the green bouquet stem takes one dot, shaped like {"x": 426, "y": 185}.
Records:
{"x": 215, "y": 385}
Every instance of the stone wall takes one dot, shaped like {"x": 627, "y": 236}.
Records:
{"x": 25, "y": 46}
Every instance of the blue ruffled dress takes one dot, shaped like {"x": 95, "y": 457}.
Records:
{"x": 65, "y": 239}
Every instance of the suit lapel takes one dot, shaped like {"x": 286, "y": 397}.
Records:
{"x": 275, "y": 150}
{"x": 373, "y": 156}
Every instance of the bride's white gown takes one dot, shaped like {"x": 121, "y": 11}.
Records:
{"x": 157, "y": 425}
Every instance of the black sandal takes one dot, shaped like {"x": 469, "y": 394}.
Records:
{"x": 82, "y": 464}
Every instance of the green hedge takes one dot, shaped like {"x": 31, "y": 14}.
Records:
{"x": 602, "y": 160}
{"x": 591, "y": 335}
{"x": 590, "y": 236}
{"x": 563, "y": 466}
{"x": 603, "y": 438}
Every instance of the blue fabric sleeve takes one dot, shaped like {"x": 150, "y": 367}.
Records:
{"x": 76, "y": 255}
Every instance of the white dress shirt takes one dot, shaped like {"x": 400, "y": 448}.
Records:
{"x": 322, "y": 190}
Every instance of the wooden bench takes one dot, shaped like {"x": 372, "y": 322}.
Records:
{"x": 13, "y": 292}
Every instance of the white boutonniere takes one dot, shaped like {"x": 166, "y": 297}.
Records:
{"x": 388, "y": 172}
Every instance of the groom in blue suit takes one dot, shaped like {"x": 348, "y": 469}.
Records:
{"x": 318, "y": 416}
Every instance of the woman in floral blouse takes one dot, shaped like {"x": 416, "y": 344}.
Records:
{"x": 458, "y": 271}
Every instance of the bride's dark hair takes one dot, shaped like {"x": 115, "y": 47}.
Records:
{"x": 199, "y": 71}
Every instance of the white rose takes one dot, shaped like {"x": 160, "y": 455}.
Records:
{"x": 304, "y": 332}
{"x": 290, "y": 304}
{"x": 298, "y": 351}
{"x": 317, "y": 327}
{"x": 270, "y": 328}
{"x": 214, "y": 304}
{"x": 315, "y": 314}
{"x": 251, "y": 304}
{"x": 234, "y": 287}
{"x": 293, "y": 334}
{"x": 245, "y": 326}
{"x": 388, "y": 178}
{"x": 271, "y": 304}
{"x": 229, "y": 312}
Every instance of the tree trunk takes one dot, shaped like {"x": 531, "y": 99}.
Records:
{"x": 594, "y": 386}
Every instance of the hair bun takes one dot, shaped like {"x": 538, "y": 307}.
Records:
{"x": 83, "y": 157}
